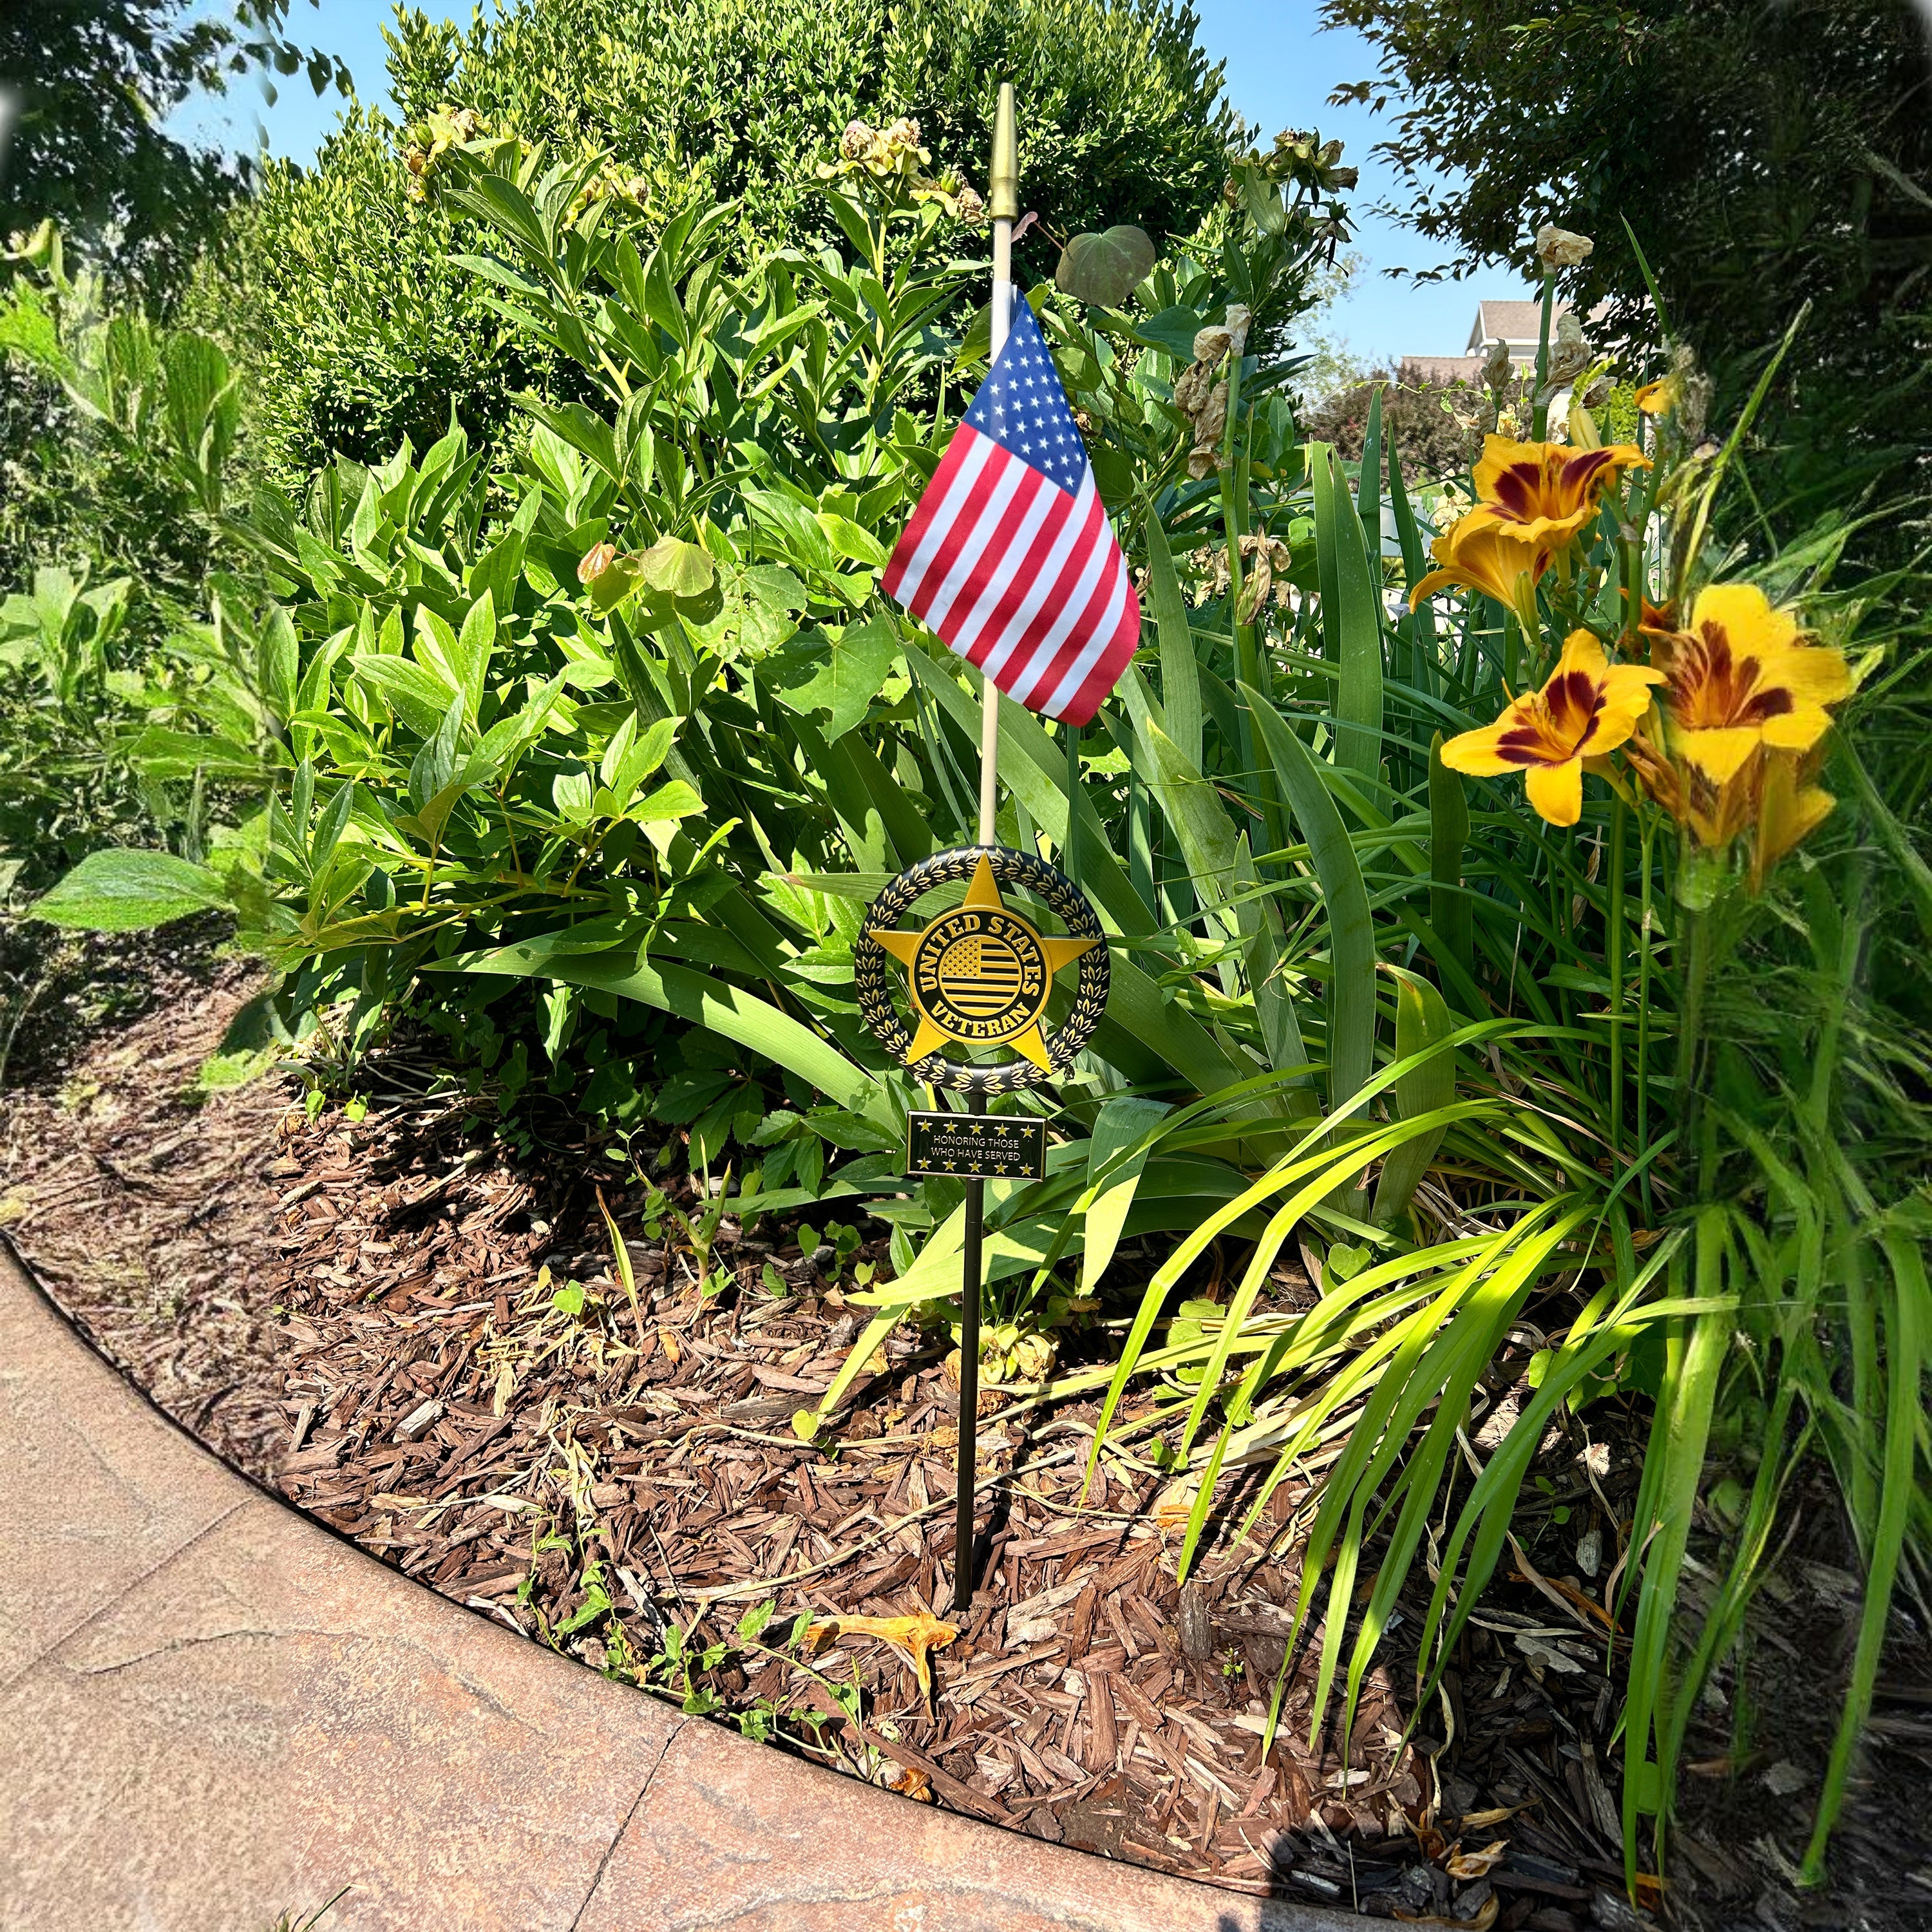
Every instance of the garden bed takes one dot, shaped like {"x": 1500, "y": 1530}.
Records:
{"x": 366, "y": 1314}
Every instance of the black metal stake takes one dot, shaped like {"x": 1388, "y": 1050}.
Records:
{"x": 969, "y": 1384}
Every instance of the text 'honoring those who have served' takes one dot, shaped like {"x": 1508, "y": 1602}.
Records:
{"x": 1005, "y": 1148}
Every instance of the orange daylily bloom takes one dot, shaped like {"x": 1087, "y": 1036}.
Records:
{"x": 1740, "y": 677}
{"x": 1489, "y": 558}
{"x": 1589, "y": 706}
{"x": 1547, "y": 492}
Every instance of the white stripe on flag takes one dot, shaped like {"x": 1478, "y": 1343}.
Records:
{"x": 1046, "y": 580}
{"x": 937, "y": 530}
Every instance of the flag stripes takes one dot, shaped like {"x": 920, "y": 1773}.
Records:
{"x": 1008, "y": 555}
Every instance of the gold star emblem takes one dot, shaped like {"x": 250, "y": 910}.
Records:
{"x": 979, "y": 975}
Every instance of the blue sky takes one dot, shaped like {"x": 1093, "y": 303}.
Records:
{"x": 1281, "y": 63}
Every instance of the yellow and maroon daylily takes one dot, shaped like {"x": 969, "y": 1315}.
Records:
{"x": 1589, "y": 707}
{"x": 1488, "y": 558}
{"x": 1740, "y": 677}
{"x": 1547, "y": 492}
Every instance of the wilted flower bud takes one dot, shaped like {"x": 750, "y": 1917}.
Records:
{"x": 1598, "y": 393}
{"x": 1558, "y": 248}
{"x": 1498, "y": 368}
{"x": 1211, "y": 345}
{"x": 971, "y": 208}
{"x": 855, "y": 140}
{"x": 1213, "y": 416}
{"x": 1569, "y": 354}
{"x": 1238, "y": 320}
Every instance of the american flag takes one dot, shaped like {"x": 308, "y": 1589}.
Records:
{"x": 1009, "y": 556}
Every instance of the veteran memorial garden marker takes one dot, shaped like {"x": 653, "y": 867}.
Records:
{"x": 1010, "y": 557}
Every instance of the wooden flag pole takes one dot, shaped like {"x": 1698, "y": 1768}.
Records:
{"x": 1004, "y": 183}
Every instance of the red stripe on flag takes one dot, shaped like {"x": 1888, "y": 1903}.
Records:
{"x": 1106, "y": 671}
{"x": 1098, "y": 611}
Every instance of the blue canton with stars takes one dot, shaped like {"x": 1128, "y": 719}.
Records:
{"x": 1022, "y": 407}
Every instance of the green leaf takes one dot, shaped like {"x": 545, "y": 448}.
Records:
{"x": 1422, "y": 1021}
{"x": 700, "y": 997}
{"x": 126, "y": 890}
{"x": 851, "y": 542}
{"x": 677, "y": 568}
{"x": 1105, "y": 269}
{"x": 1352, "y": 620}
{"x": 1122, "y": 1124}
{"x": 1450, "y": 915}
{"x": 1180, "y": 669}
{"x": 845, "y": 679}
{"x": 1351, "y": 936}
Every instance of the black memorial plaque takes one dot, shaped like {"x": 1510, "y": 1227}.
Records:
{"x": 966, "y": 1145}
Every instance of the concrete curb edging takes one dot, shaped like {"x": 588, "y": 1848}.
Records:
{"x": 213, "y": 1710}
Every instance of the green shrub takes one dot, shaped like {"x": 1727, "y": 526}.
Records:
{"x": 337, "y": 291}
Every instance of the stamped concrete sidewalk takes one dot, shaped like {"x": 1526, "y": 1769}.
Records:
{"x": 212, "y": 1711}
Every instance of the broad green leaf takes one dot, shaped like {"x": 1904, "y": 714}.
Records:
{"x": 126, "y": 890}
{"x": 840, "y": 674}
{"x": 1105, "y": 269}
{"x": 677, "y": 568}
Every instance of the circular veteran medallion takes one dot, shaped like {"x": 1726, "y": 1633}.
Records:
{"x": 981, "y": 974}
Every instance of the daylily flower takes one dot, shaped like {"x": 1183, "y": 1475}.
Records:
{"x": 1547, "y": 492}
{"x": 1660, "y": 397}
{"x": 1739, "y": 677}
{"x": 1492, "y": 558}
{"x": 1589, "y": 706}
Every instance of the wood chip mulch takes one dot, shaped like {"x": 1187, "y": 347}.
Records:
{"x": 365, "y": 1314}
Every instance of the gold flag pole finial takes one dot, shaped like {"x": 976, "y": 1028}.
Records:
{"x": 1005, "y": 182}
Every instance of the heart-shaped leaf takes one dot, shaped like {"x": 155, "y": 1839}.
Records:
{"x": 1105, "y": 269}
{"x": 678, "y": 568}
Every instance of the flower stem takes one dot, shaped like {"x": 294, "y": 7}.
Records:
{"x": 1649, "y": 832}
{"x": 1540, "y": 421}
{"x": 1687, "y": 1088}
{"x": 1614, "y": 949}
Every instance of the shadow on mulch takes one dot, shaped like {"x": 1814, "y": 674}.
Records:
{"x": 366, "y": 1315}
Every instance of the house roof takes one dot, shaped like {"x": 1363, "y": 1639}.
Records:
{"x": 1441, "y": 368}
{"x": 1507, "y": 321}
